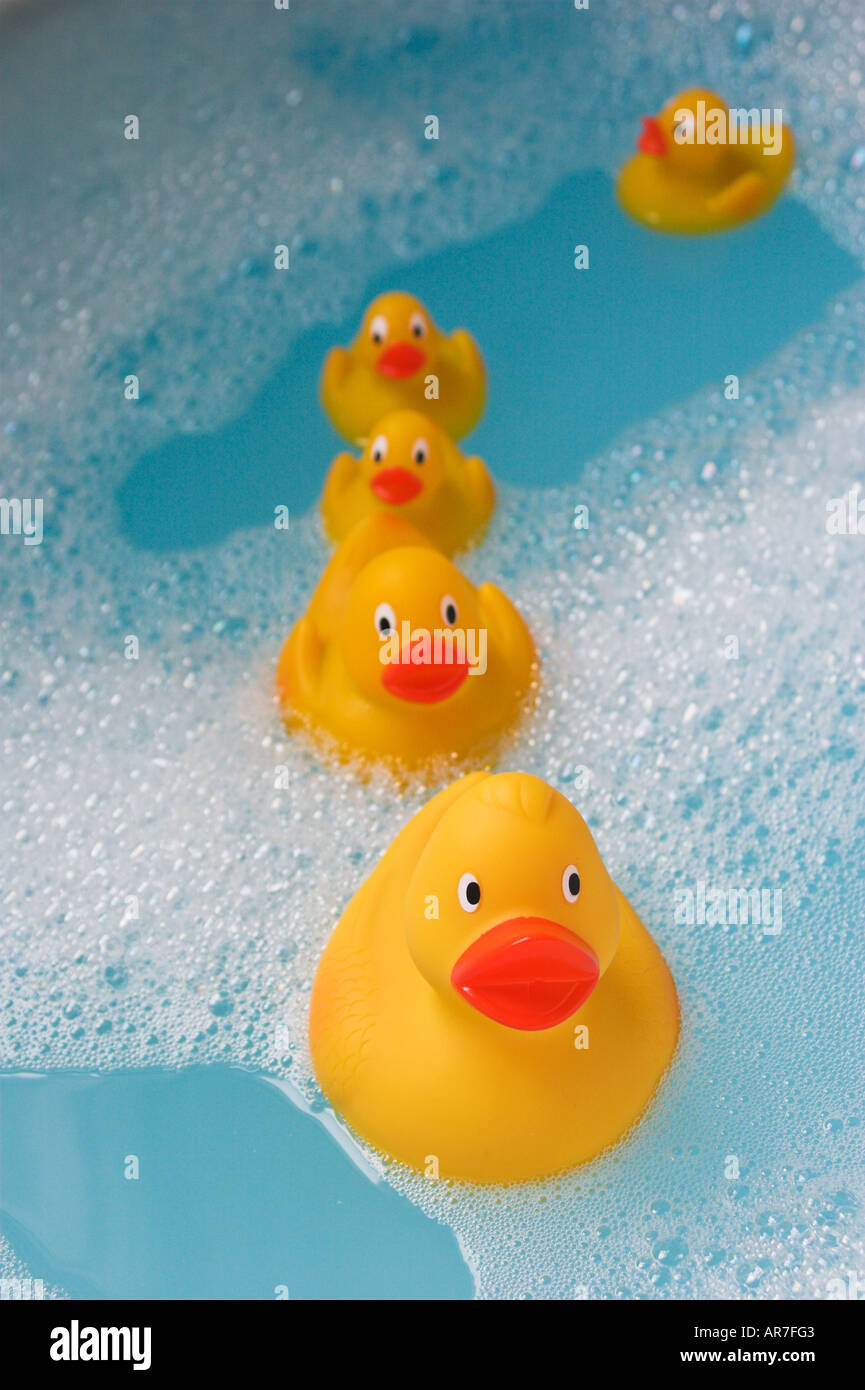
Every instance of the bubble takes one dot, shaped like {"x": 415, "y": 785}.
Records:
{"x": 751, "y": 1274}
{"x": 671, "y": 1251}
{"x": 221, "y": 1004}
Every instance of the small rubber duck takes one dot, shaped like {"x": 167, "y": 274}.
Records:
{"x": 704, "y": 168}
{"x": 400, "y": 360}
{"x": 490, "y": 1007}
{"x": 399, "y": 657}
{"x": 411, "y": 466}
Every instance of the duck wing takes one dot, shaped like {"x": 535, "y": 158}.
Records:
{"x": 741, "y": 198}
{"x": 347, "y": 992}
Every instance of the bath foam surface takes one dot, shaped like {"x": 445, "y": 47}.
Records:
{"x": 155, "y": 256}
{"x": 174, "y": 864}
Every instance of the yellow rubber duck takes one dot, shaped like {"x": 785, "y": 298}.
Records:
{"x": 412, "y": 467}
{"x": 400, "y": 360}
{"x": 698, "y": 168}
{"x": 399, "y": 657}
{"x": 490, "y": 1007}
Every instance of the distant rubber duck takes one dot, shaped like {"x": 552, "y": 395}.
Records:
{"x": 489, "y": 1006}
{"x": 399, "y": 657}
{"x": 400, "y": 360}
{"x": 412, "y": 467}
{"x": 691, "y": 177}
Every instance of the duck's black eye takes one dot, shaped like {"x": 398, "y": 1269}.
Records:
{"x": 571, "y": 884}
{"x": 418, "y": 326}
{"x": 420, "y": 451}
{"x": 385, "y": 620}
{"x": 449, "y": 610}
{"x": 379, "y": 448}
{"x": 469, "y": 892}
{"x": 378, "y": 329}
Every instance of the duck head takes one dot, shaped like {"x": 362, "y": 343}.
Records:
{"x": 527, "y": 916}
{"x": 397, "y": 338}
{"x": 671, "y": 136}
{"x": 404, "y": 458}
{"x": 417, "y": 590}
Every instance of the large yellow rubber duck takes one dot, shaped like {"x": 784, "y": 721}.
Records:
{"x": 412, "y": 467}
{"x": 490, "y": 1007}
{"x": 399, "y": 657}
{"x": 698, "y": 170}
{"x": 400, "y": 360}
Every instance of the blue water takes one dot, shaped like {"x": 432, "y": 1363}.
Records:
{"x": 573, "y": 357}
{"x": 236, "y": 1194}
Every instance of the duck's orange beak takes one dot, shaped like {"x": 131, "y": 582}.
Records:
{"x": 527, "y": 973}
{"x": 652, "y": 139}
{"x": 396, "y": 485}
{"x": 400, "y": 360}
{"x": 424, "y": 683}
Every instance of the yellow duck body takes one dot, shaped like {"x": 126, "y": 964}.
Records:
{"x": 692, "y": 188}
{"x": 406, "y": 1023}
{"x": 331, "y": 678}
{"x": 400, "y": 360}
{"x": 411, "y": 468}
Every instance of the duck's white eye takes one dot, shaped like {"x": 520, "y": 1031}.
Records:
{"x": 378, "y": 328}
{"x": 683, "y": 131}
{"x": 385, "y": 620}
{"x": 420, "y": 451}
{"x": 571, "y": 884}
{"x": 418, "y": 325}
{"x": 469, "y": 893}
{"x": 379, "y": 448}
{"x": 449, "y": 610}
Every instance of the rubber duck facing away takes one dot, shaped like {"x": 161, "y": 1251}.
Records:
{"x": 702, "y": 167}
